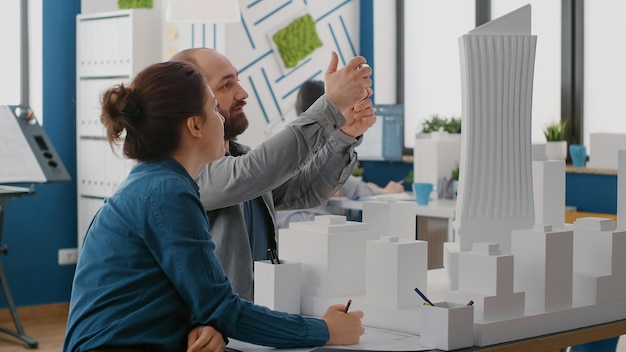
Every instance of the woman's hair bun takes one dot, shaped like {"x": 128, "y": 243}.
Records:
{"x": 131, "y": 109}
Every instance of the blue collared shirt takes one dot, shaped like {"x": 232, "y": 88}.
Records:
{"x": 147, "y": 273}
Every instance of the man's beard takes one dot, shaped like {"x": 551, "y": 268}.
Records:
{"x": 234, "y": 123}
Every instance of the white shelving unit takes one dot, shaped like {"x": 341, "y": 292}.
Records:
{"x": 111, "y": 48}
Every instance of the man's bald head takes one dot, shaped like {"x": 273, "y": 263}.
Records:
{"x": 190, "y": 55}
{"x": 223, "y": 79}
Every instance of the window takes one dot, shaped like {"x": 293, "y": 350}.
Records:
{"x": 10, "y": 39}
{"x": 431, "y": 61}
{"x": 604, "y": 70}
{"x": 10, "y": 70}
{"x": 432, "y": 73}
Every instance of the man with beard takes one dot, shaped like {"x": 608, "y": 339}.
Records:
{"x": 299, "y": 167}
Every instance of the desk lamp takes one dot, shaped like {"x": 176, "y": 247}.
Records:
{"x": 202, "y": 11}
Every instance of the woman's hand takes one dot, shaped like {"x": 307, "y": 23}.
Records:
{"x": 205, "y": 339}
{"x": 344, "y": 328}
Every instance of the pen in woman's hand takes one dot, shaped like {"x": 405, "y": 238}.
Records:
{"x": 348, "y": 306}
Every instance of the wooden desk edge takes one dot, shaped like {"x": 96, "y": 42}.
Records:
{"x": 562, "y": 339}
{"x": 585, "y": 170}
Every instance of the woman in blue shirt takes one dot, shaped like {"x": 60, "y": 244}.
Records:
{"x": 147, "y": 278}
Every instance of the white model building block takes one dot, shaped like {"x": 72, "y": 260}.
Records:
{"x": 539, "y": 152}
{"x": 391, "y": 217}
{"x": 591, "y": 289}
{"x": 485, "y": 270}
{"x": 435, "y": 155}
{"x": 490, "y": 308}
{"x": 603, "y": 150}
{"x": 331, "y": 219}
{"x": 621, "y": 190}
{"x": 486, "y": 277}
{"x": 549, "y": 192}
{"x": 593, "y": 241}
{"x": 394, "y": 267}
{"x": 599, "y": 265}
{"x": 447, "y": 326}
{"x": 495, "y": 183}
{"x": 277, "y": 286}
{"x": 331, "y": 252}
{"x": 543, "y": 267}
{"x": 451, "y": 252}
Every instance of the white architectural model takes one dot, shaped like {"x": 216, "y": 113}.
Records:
{"x": 525, "y": 279}
{"x": 543, "y": 267}
{"x": 394, "y": 268}
{"x": 331, "y": 252}
{"x": 495, "y": 184}
{"x": 621, "y": 187}
{"x": 600, "y": 265}
{"x": 549, "y": 192}
{"x": 391, "y": 217}
{"x": 486, "y": 277}
{"x": 277, "y": 286}
{"x": 343, "y": 260}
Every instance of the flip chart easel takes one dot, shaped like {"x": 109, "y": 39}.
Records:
{"x": 26, "y": 156}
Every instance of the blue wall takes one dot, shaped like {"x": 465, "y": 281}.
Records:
{"x": 37, "y": 226}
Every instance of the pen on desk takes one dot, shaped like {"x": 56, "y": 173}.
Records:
{"x": 348, "y": 306}
{"x": 428, "y": 302}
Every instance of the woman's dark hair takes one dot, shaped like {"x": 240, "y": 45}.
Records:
{"x": 309, "y": 92}
{"x": 152, "y": 109}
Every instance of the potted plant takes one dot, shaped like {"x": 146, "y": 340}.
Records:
{"x": 437, "y": 124}
{"x": 455, "y": 180}
{"x": 454, "y": 125}
{"x": 556, "y": 145}
{"x": 408, "y": 179}
{"x": 358, "y": 171}
{"x": 134, "y": 4}
{"x": 455, "y": 173}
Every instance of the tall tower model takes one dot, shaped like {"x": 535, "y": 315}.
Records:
{"x": 495, "y": 184}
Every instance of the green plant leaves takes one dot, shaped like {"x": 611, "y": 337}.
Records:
{"x": 436, "y": 123}
{"x": 555, "y": 131}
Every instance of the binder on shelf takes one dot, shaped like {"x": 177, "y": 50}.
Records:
{"x": 26, "y": 153}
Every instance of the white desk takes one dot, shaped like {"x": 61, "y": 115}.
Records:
{"x": 558, "y": 333}
{"x": 436, "y": 208}
{"x": 550, "y": 342}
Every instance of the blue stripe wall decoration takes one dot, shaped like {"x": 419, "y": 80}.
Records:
{"x": 249, "y": 46}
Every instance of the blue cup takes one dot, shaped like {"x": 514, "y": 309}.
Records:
{"x": 578, "y": 153}
{"x": 422, "y": 192}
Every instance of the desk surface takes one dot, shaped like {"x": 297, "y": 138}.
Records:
{"x": 436, "y": 208}
{"x": 551, "y": 342}
{"x": 586, "y": 170}
{"x": 559, "y": 340}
